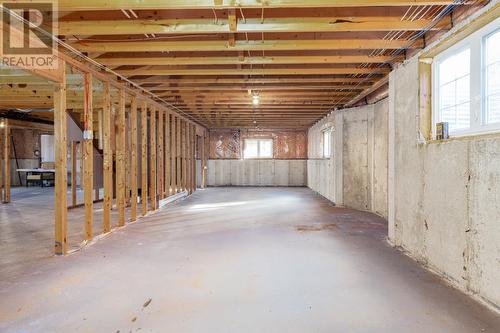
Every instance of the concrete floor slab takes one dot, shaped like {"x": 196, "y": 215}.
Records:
{"x": 240, "y": 260}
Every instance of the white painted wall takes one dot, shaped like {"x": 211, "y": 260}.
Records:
{"x": 257, "y": 173}
{"x": 445, "y": 196}
{"x": 356, "y": 174}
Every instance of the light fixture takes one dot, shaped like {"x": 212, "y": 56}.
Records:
{"x": 255, "y": 99}
{"x": 2, "y": 125}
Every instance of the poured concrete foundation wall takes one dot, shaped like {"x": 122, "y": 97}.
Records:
{"x": 444, "y": 196}
{"x": 257, "y": 173}
{"x": 356, "y": 174}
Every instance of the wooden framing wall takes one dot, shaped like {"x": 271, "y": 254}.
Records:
{"x": 158, "y": 139}
{"x": 168, "y": 151}
{"x": 120, "y": 120}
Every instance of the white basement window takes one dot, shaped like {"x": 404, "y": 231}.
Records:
{"x": 327, "y": 143}
{"x": 492, "y": 78}
{"x": 466, "y": 83}
{"x": 258, "y": 148}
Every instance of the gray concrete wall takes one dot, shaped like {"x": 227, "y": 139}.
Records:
{"x": 445, "y": 196}
{"x": 257, "y": 173}
{"x": 356, "y": 174}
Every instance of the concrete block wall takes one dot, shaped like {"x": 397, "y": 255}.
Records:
{"x": 355, "y": 175}
{"x": 257, "y": 173}
{"x": 444, "y": 206}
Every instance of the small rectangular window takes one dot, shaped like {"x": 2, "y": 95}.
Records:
{"x": 453, "y": 89}
{"x": 327, "y": 143}
{"x": 492, "y": 78}
{"x": 258, "y": 148}
{"x": 466, "y": 84}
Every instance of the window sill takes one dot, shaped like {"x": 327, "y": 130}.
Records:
{"x": 468, "y": 136}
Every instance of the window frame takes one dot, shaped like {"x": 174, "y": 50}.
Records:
{"x": 476, "y": 42}
{"x": 484, "y": 78}
{"x": 323, "y": 132}
{"x": 259, "y": 157}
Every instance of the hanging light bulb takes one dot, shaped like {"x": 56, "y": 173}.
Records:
{"x": 256, "y": 99}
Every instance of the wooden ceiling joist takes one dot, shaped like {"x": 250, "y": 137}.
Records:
{"x": 296, "y": 88}
{"x": 251, "y": 45}
{"x": 255, "y": 71}
{"x": 245, "y": 80}
{"x": 77, "y": 5}
{"x": 183, "y": 61}
{"x": 231, "y": 25}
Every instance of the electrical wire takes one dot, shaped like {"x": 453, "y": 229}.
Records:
{"x": 440, "y": 15}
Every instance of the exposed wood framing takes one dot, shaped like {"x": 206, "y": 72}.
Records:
{"x": 120, "y": 160}
{"x": 88, "y": 156}
{"x": 144, "y": 158}
{"x": 178, "y": 155}
{"x": 173, "y": 156}
{"x": 254, "y": 71}
{"x": 184, "y": 147}
{"x": 203, "y": 160}
{"x": 74, "y": 159}
{"x": 271, "y": 45}
{"x": 193, "y": 158}
{"x": 61, "y": 176}
{"x": 74, "y": 5}
{"x": 168, "y": 154}
{"x": 107, "y": 160}
{"x": 6, "y": 160}
{"x": 253, "y": 25}
{"x": 133, "y": 173}
{"x": 1, "y": 160}
{"x": 160, "y": 156}
{"x": 153, "y": 195}
{"x": 188, "y": 159}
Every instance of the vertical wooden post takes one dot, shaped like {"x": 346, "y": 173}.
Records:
{"x": 178, "y": 158}
{"x": 100, "y": 130}
{"x": 120, "y": 160}
{"x": 133, "y": 134}
{"x": 206, "y": 149}
{"x": 202, "y": 159}
{"x": 1, "y": 159}
{"x": 184, "y": 156}
{"x": 82, "y": 165}
{"x": 167, "y": 154}
{"x": 127, "y": 156}
{"x": 193, "y": 156}
{"x": 144, "y": 158}
{"x": 88, "y": 156}
{"x": 107, "y": 159}
{"x": 152, "y": 155}
{"x": 61, "y": 167}
{"x": 188, "y": 157}
{"x": 74, "y": 158}
{"x": 161, "y": 191}
{"x": 173, "y": 155}
{"x": 6, "y": 160}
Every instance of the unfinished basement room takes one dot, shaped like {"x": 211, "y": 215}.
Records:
{"x": 249, "y": 166}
